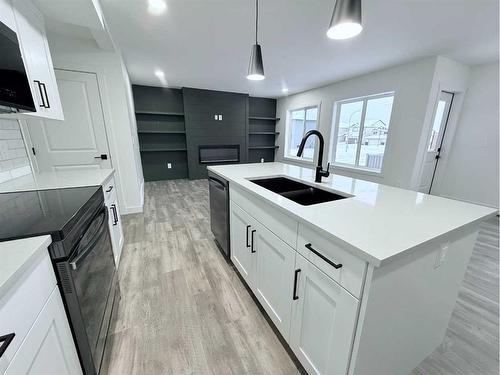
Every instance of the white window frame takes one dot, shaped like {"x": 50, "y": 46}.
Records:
{"x": 336, "y": 117}
{"x": 288, "y": 132}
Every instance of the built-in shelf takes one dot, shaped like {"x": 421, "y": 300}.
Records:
{"x": 263, "y": 133}
{"x": 264, "y": 118}
{"x": 161, "y": 149}
{"x": 161, "y": 131}
{"x": 159, "y": 113}
{"x": 262, "y": 147}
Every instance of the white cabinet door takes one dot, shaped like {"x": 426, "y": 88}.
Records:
{"x": 48, "y": 347}
{"x": 323, "y": 321}
{"x": 37, "y": 59}
{"x": 242, "y": 253}
{"x": 80, "y": 141}
{"x": 7, "y": 14}
{"x": 273, "y": 282}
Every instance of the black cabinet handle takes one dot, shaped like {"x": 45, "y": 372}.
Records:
{"x": 115, "y": 214}
{"x": 5, "y": 340}
{"x": 102, "y": 157}
{"x": 252, "y": 249}
{"x": 43, "y": 105}
{"x": 46, "y": 96}
{"x": 248, "y": 227}
{"x": 334, "y": 265}
{"x": 295, "y": 296}
{"x": 109, "y": 189}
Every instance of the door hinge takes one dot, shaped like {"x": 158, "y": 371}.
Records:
{"x": 33, "y": 150}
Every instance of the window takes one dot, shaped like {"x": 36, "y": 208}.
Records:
{"x": 301, "y": 121}
{"x": 361, "y": 128}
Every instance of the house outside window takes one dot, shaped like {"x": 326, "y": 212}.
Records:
{"x": 301, "y": 121}
{"x": 361, "y": 127}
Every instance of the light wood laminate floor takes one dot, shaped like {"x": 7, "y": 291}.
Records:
{"x": 183, "y": 309}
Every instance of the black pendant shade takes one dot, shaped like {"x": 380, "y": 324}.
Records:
{"x": 256, "y": 66}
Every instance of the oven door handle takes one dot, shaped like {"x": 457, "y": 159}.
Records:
{"x": 84, "y": 253}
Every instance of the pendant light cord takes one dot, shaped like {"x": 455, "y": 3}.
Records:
{"x": 256, "y": 19}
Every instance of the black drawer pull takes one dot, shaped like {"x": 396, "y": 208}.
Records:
{"x": 252, "y": 249}
{"x": 109, "y": 189}
{"x": 5, "y": 340}
{"x": 295, "y": 296}
{"x": 334, "y": 265}
{"x": 248, "y": 227}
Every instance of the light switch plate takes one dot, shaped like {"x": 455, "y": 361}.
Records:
{"x": 169, "y": 165}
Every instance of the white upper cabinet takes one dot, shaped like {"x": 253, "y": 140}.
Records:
{"x": 7, "y": 14}
{"x": 30, "y": 27}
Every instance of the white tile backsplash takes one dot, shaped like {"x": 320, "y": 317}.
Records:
{"x": 14, "y": 161}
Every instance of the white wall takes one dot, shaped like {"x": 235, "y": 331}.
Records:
{"x": 14, "y": 161}
{"x": 470, "y": 171}
{"x": 114, "y": 87}
{"x": 412, "y": 84}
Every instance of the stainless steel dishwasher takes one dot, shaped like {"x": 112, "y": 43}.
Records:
{"x": 219, "y": 211}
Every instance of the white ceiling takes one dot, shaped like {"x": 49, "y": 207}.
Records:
{"x": 206, "y": 43}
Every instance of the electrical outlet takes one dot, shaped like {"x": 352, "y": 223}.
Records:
{"x": 169, "y": 165}
{"x": 262, "y": 160}
{"x": 216, "y": 117}
{"x": 441, "y": 254}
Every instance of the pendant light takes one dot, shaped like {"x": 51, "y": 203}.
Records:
{"x": 256, "y": 66}
{"x": 346, "y": 19}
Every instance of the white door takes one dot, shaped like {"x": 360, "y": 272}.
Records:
{"x": 49, "y": 347}
{"x": 242, "y": 250}
{"x": 274, "y": 277}
{"x": 80, "y": 140}
{"x": 38, "y": 60}
{"x": 434, "y": 145}
{"x": 323, "y": 321}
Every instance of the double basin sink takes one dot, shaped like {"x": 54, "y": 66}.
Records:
{"x": 298, "y": 192}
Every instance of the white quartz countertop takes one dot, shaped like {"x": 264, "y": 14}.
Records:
{"x": 16, "y": 256}
{"x": 377, "y": 223}
{"x": 57, "y": 180}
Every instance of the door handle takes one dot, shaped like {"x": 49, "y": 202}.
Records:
{"x": 334, "y": 265}
{"x": 115, "y": 214}
{"x": 43, "y": 105}
{"x": 251, "y": 248}
{"x": 6, "y": 340}
{"x": 295, "y": 296}
{"x": 248, "y": 227}
{"x": 46, "y": 96}
{"x": 102, "y": 157}
{"x": 109, "y": 189}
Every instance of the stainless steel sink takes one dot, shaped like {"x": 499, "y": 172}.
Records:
{"x": 298, "y": 192}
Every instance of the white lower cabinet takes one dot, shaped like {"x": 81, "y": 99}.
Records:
{"x": 241, "y": 243}
{"x": 114, "y": 221}
{"x": 313, "y": 313}
{"x": 273, "y": 282}
{"x": 48, "y": 347}
{"x": 323, "y": 321}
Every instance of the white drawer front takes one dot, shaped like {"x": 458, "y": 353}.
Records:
{"x": 352, "y": 272}
{"x": 109, "y": 189}
{"x": 277, "y": 222}
{"x": 20, "y": 307}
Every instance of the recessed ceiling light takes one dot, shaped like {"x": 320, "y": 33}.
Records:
{"x": 157, "y": 7}
{"x": 161, "y": 76}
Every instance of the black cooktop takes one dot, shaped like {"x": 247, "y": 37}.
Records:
{"x": 33, "y": 213}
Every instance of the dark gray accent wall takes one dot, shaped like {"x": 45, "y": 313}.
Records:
{"x": 162, "y": 133}
{"x": 202, "y": 129}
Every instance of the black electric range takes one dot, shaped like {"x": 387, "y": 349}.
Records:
{"x": 81, "y": 253}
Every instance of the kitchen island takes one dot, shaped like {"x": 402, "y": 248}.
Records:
{"x": 360, "y": 285}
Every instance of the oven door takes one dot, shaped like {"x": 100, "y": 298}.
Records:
{"x": 93, "y": 272}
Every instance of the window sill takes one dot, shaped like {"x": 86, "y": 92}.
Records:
{"x": 360, "y": 170}
{"x": 298, "y": 160}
